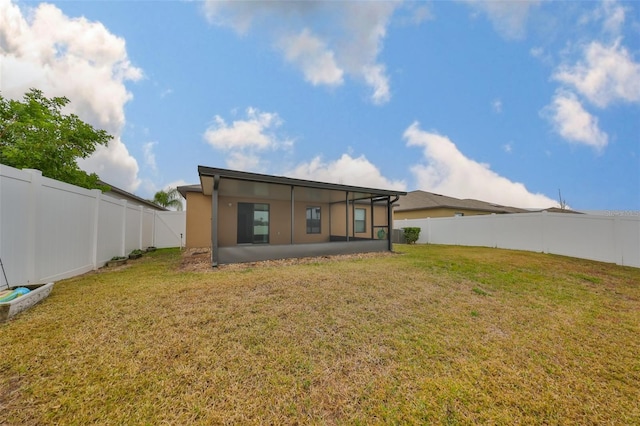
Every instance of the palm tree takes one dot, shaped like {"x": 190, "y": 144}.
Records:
{"x": 168, "y": 199}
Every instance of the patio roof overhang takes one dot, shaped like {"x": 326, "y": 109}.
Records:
{"x": 245, "y": 184}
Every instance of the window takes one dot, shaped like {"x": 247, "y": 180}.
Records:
{"x": 313, "y": 220}
{"x": 253, "y": 223}
{"x": 361, "y": 220}
{"x": 458, "y": 214}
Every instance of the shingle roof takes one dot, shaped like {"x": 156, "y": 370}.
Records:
{"x": 422, "y": 200}
{"x": 117, "y": 192}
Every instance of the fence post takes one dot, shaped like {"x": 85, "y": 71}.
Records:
{"x": 123, "y": 233}
{"x": 33, "y": 233}
{"x": 617, "y": 241}
{"x": 153, "y": 231}
{"x": 141, "y": 227}
{"x": 543, "y": 231}
{"x": 96, "y": 217}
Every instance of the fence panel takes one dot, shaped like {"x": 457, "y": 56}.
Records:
{"x": 628, "y": 241}
{"x": 602, "y": 238}
{"x": 587, "y": 237}
{"x": 148, "y": 218}
{"x": 51, "y": 230}
{"x": 109, "y": 229}
{"x": 170, "y": 229}
{"x": 522, "y": 231}
{"x": 14, "y": 225}
{"x": 65, "y": 218}
{"x": 132, "y": 229}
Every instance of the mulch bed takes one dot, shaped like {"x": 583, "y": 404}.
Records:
{"x": 199, "y": 260}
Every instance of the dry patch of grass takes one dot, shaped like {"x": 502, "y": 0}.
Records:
{"x": 437, "y": 334}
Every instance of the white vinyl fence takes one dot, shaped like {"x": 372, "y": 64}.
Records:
{"x": 50, "y": 230}
{"x": 614, "y": 239}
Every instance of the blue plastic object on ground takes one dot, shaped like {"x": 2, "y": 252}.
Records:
{"x": 14, "y": 294}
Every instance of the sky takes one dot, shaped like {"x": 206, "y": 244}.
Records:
{"x": 518, "y": 103}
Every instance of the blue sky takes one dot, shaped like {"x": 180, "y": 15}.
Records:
{"x": 507, "y": 102}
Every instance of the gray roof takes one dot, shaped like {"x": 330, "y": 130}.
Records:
{"x": 422, "y": 200}
{"x": 189, "y": 188}
{"x": 116, "y": 192}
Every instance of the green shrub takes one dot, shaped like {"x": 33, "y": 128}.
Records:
{"x": 411, "y": 234}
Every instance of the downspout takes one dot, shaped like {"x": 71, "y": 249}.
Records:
{"x": 346, "y": 210}
{"x": 214, "y": 221}
{"x": 389, "y": 219}
{"x": 353, "y": 219}
{"x": 372, "y": 218}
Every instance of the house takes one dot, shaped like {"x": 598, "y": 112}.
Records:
{"x": 246, "y": 217}
{"x": 422, "y": 204}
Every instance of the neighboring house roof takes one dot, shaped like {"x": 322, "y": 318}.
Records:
{"x": 254, "y": 184}
{"x": 189, "y": 188}
{"x": 422, "y": 200}
{"x": 559, "y": 210}
{"x": 118, "y": 193}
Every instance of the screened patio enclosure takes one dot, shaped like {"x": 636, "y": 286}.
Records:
{"x": 261, "y": 217}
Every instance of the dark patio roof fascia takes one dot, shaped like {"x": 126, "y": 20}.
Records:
{"x": 282, "y": 180}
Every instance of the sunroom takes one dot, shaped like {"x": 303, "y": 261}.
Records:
{"x": 248, "y": 217}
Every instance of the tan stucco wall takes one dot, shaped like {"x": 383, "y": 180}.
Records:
{"x": 338, "y": 221}
{"x": 332, "y": 220}
{"x": 198, "y": 220}
{"x": 439, "y": 212}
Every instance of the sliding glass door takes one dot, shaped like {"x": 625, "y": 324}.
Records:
{"x": 253, "y": 223}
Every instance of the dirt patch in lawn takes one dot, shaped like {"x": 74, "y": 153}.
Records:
{"x": 199, "y": 260}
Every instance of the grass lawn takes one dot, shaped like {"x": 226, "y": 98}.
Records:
{"x": 432, "y": 335}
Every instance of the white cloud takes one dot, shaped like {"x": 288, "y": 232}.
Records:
{"x": 42, "y": 48}
{"x": 311, "y": 54}
{"x": 613, "y": 16}
{"x": 238, "y": 160}
{"x": 608, "y": 13}
{"x": 507, "y": 148}
{"x": 607, "y": 74}
{"x": 497, "y": 106}
{"x": 376, "y": 77}
{"x": 573, "y": 122}
{"x": 509, "y": 18}
{"x": 114, "y": 165}
{"x": 325, "y": 40}
{"x": 254, "y": 132}
{"x": 447, "y": 171}
{"x": 346, "y": 170}
{"x": 150, "y": 156}
{"x": 243, "y": 139}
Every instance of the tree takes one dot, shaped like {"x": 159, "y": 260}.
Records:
{"x": 34, "y": 134}
{"x": 562, "y": 201}
{"x": 168, "y": 199}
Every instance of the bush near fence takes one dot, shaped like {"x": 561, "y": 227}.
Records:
{"x": 613, "y": 239}
{"x": 50, "y": 230}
